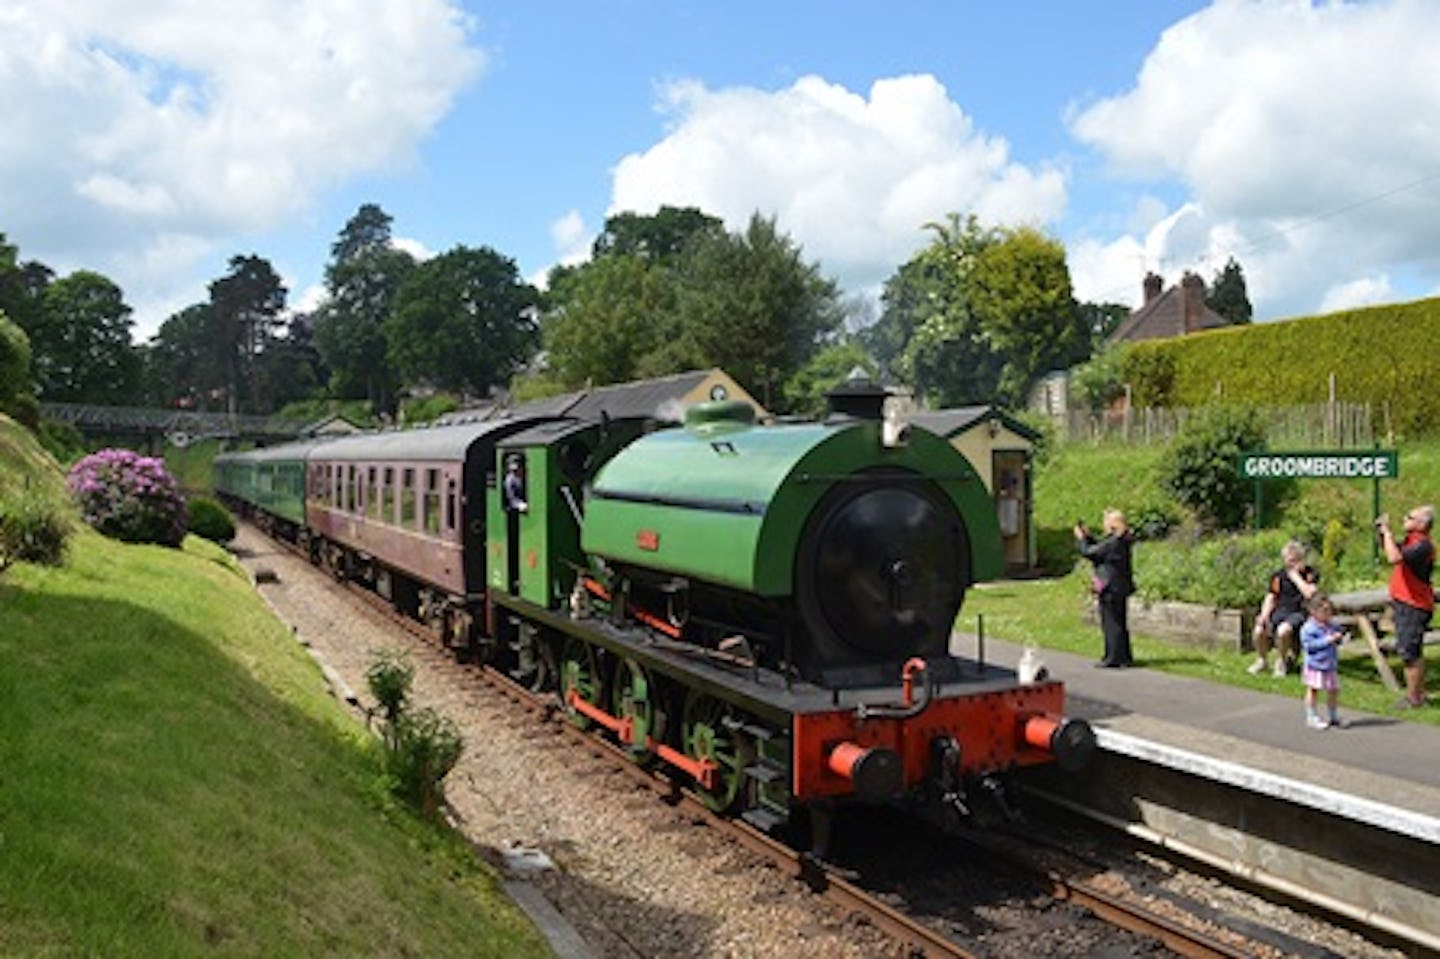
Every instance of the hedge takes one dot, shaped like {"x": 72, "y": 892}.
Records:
{"x": 1382, "y": 355}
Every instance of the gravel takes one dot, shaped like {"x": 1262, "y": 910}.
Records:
{"x": 634, "y": 877}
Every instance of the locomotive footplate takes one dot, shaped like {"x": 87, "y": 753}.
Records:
{"x": 874, "y": 743}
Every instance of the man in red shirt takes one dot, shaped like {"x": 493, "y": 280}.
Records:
{"x": 1413, "y": 560}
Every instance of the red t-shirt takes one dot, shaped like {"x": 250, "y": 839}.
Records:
{"x": 1410, "y": 578}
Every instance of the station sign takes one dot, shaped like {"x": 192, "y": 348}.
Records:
{"x": 1344, "y": 464}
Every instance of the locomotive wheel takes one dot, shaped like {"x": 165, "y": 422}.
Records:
{"x": 633, "y": 696}
{"x": 579, "y": 671}
{"x": 706, "y": 735}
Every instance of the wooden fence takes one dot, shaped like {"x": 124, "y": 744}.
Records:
{"x": 1315, "y": 425}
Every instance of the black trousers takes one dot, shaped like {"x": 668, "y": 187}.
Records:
{"x": 1113, "y": 623}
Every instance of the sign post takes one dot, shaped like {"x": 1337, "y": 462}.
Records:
{"x": 1374, "y": 465}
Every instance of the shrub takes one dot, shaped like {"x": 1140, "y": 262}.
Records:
{"x": 424, "y": 747}
{"x": 33, "y": 529}
{"x": 129, "y": 497}
{"x": 389, "y": 678}
{"x": 209, "y": 519}
{"x": 1199, "y": 467}
{"x": 428, "y": 408}
{"x": 1228, "y": 571}
{"x": 1100, "y": 381}
{"x": 61, "y": 440}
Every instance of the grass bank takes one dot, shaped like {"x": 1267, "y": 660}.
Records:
{"x": 174, "y": 781}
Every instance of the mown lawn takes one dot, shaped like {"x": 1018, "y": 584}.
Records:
{"x": 174, "y": 781}
{"x": 1048, "y": 612}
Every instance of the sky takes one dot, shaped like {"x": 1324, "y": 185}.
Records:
{"x": 152, "y": 142}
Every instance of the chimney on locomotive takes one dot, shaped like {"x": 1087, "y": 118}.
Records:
{"x": 861, "y": 398}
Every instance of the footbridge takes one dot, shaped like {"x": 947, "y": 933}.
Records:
{"x": 156, "y": 426}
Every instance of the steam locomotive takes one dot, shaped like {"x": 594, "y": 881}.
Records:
{"x": 764, "y": 609}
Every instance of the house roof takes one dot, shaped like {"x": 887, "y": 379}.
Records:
{"x": 952, "y": 422}
{"x": 427, "y": 443}
{"x": 1174, "y": 312}
{"x": 656, "y": 399}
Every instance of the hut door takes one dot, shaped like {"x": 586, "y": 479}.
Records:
{"x": 1011, "y": 483}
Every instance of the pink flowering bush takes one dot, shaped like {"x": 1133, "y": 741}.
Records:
{"x": 129, "y": 497}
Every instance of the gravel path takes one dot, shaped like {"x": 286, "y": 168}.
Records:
{"x": 634, "y": 877}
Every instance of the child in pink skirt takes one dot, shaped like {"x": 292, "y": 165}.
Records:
{"x": 1321, "y": 639}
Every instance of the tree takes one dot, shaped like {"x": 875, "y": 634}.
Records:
{"x": 1227, "y": 294}
{"x": 610, "y": 319}
{"x": 1021, "y": 294}
{"x": 362, "y": 280}
{"x": 81, "y": 343}
{"x": 366, "y": 231}
{"x": 750, "y": 304}
{"x": 463, "y": 321}
{"x": 660, "y": 237}
{"x": 989, "y": 310}
{"x": 22, "y": 286}
{"x": 1101, "y": 319}
{"x": 289, "y": 368}
{"x": 827, "y": 369}
{"x": 184, "y": 363}
{"x": 15, "y": 381}
{"x": 245, "y": 306}
{"x": 928, "y": 332}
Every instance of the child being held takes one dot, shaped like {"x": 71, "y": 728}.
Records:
{"x": 1321, "y": 638}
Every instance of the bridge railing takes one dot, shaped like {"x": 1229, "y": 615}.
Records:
{"x": 188, "y": 424}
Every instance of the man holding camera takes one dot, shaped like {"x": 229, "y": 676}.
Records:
{"x": 1413, "y": 559}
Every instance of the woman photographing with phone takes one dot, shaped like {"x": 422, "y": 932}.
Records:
{"x": 1114, "y": 581}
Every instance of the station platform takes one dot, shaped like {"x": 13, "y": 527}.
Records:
{"x": 1384, "y": 765}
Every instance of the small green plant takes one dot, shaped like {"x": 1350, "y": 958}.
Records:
{"x": 209, "y": 519}
{"x": 424, "y": 747}
{"x": 389, "y": 677}
{"x": 33, "y": 529}
{"x": 421, "y": 747}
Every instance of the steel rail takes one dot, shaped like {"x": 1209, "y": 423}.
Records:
{"x": 915, "y": 936}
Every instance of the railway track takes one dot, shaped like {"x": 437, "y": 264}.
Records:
{"x": 914, "y": 936}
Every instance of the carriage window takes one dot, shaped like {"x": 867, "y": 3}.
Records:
{"x": 432, "y": 501}
{"x": 372, "y": 492}
{"x": 350, "y": 501}
{"x": 328, "y": 496}
{"x": 407, "y": 500}
{"x": 450, "y": 504}
{"x": 387, "y": 497}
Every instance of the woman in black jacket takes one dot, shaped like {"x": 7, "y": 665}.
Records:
{"x": 1113, "y": 582}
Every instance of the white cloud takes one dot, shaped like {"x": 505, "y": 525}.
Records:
{"x": 851, "y": 178}
{"x": 572, "y": 241}
{"x": 1304, "y": 133}
{"x": 137, "y": 137}
{"x": 1362, "y": 292}
{"x": 414, "y": 247}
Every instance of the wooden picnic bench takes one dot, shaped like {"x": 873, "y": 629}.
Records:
{"x": 1369, "y": 612}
